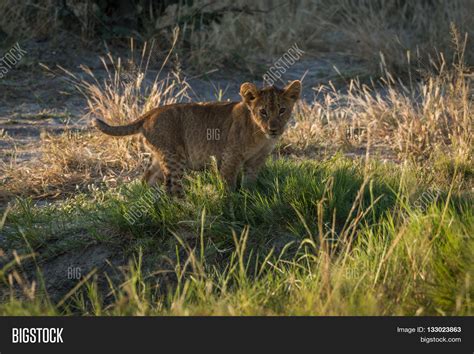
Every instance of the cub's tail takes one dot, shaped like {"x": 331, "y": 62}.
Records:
{"x": 120, "y": 130}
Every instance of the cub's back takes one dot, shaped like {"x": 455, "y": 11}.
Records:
{"x": 200, "y": 129}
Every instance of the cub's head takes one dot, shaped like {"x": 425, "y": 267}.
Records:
{"x": 271, "y": 107}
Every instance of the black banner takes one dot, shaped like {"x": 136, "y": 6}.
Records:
{"x": 246, "y": 334}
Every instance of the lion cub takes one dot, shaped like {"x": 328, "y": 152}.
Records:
{"x": 239, "y": 134}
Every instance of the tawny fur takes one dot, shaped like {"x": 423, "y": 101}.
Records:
{"x": 239, "y": 134}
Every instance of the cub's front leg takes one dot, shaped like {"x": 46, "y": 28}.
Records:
{"x": 253, "y": 166}
{"x": 232, "y": 161}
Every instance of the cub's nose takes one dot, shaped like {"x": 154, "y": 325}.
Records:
{"x": 273, "y": 131}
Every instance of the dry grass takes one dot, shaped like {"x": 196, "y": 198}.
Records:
{"x": 127, "y": 92}
{"x": 414, "y": 121}
{"x": 72, "y": 161}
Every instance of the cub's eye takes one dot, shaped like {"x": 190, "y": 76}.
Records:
{"x": 263, "y": 112}
{"x": 282, "y": 110}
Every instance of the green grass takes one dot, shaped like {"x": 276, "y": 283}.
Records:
{"x": 337, "y": 237}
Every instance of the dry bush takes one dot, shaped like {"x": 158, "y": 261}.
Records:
{"x": 249, "y": 34}
{"x": 240, "y": 33}
{"x": 244, "y": 33}
{"x": 415, "y": 121}
{"x": 393, "y": 28}
{"x": 46, "y": 18}
{"x": 28, "y": 18}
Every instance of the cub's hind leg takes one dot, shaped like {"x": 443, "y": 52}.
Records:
{"x": 173, "y": 165}
{"x": 172, "y": 161}
{"x": 154, "y": 175}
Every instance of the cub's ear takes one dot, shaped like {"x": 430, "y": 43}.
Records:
{"x": 248, "y": 91}
{"x": 293, "y": 90}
